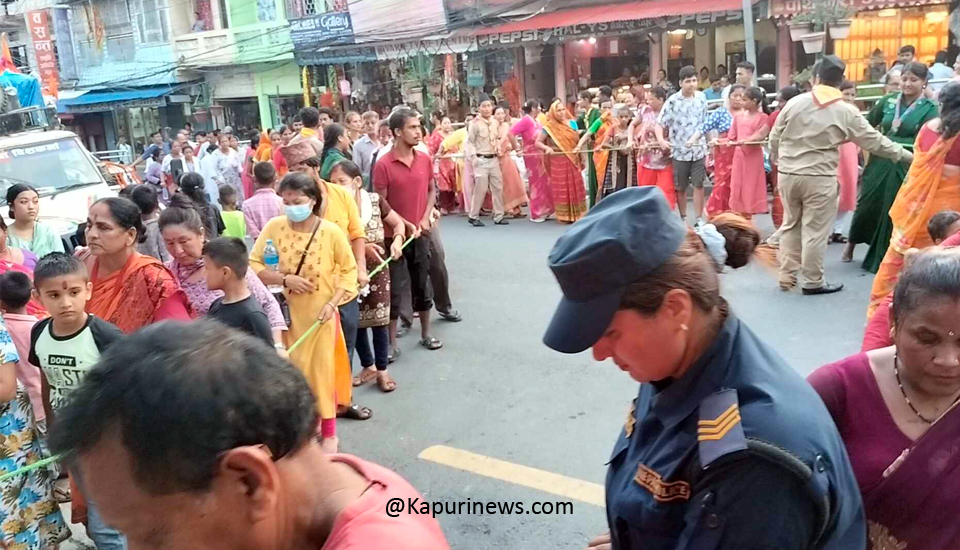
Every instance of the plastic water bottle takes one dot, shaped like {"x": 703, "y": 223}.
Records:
{"x": 272, "y": 259}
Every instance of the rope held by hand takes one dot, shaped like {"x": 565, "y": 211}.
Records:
{"x": 313, "y": 328}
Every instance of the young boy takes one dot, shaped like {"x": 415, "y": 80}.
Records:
{"x": 66, "y": 346}
{"x": 15, "y": 290}
{"x": 225, "y": 259}
{"x": 232, "y": 218}
{"x": 265, "y": 204}
{"x": 943, "y": 224}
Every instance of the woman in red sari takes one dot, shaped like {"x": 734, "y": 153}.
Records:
{"x": 897, "y": 411}
{"x": 130, "y": 290}
{"x": 558, "y": 141}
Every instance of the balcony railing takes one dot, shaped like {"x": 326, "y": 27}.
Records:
{"x": 245, "y": 44}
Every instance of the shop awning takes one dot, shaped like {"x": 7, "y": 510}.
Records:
{"x": 629, "y": 11}
{"x": 116, "y": 96}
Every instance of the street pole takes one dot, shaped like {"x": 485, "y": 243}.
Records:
{"x": 748, "y": 32}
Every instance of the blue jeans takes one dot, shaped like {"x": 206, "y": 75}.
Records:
{"x": 381, "y": 347}
{"x": 106, "y": 538}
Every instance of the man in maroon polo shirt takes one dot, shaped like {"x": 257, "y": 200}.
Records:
{"x": 404, "y": 178}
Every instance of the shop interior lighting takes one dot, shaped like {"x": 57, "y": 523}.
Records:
{"x": 887, "y": 13}
{"x": 679, "y": 31}
{"x": 592, "y": 40}
{"x": 935, "y": 17}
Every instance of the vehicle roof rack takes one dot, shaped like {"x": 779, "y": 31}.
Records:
{"x": 28, "y": 118}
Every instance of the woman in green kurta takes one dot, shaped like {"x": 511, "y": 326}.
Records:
{"x": 336, "y": 147}
{"x": 900, "y": 116}
{"x": 586, "y": 120}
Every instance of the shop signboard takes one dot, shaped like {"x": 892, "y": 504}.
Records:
{"x": 39, "y": 25}
{"x": 325, "y": 28}
{"x": 612, "y": 28}
{"x": 427, "y": 46}
{"x": 787, "y": 8}
{"x": 333, "y": 56}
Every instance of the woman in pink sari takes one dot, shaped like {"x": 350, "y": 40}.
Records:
{"x": 848, "y": 172}
{"x": 898, "y": 413}
{"x": 541, "y": 196}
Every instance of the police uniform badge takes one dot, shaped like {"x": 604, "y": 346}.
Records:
{"x": 720, "y": 430}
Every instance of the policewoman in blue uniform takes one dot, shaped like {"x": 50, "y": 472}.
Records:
{"x": 725, "y": 446}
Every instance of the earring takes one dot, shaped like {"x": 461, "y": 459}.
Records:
{"x": 684, "y": 327}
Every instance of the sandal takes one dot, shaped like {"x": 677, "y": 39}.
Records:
{"x": 61, "y": 493}
{"x": 366, "y": 375}
{"x": 431, "y": 343}
{"x": 355, "y": 412}
{"x": 386, "y": 384}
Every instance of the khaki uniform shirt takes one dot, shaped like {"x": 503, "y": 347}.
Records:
{"x": 805, "y": 139}
{"x": 484, "y": 135}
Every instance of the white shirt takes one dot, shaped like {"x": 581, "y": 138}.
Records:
{"x": 939, "y": 71}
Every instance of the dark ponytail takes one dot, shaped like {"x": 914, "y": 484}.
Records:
{"x": 182, "y": 211}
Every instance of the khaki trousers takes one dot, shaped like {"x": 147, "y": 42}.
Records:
{"x": 810, "y": 207}
{"x": 488, "y": 176}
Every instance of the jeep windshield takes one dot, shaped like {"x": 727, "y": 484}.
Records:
{"x": 51, "y": 167}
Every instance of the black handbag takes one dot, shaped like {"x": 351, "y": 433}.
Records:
{"x": 280, "y": 296}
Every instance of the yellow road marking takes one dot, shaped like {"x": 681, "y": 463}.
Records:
{"x": 548, "y": 482}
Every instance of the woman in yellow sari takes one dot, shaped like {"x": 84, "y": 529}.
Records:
{"x": 317, "y": 272}
{"x": 559, "y": 143}
{"x": 931, "y": 185}
{"x": 450, "y": 180}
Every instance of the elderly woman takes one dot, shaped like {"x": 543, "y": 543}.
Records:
{"x": 317, "y": 272}
{"x": 558, "y": 142}
{"x": 26, "y": 232}
{"x": 130, "y": 290}
{"x": 896, "y": 409}
{"x": 183, "y": 232}
{"x": 725, "y": 446}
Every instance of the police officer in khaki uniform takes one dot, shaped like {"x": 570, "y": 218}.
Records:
{"x": 725, "y": 446}
{"x": 484, "y": 136}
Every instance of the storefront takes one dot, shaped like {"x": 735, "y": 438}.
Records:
{"x": 878, "y": 32}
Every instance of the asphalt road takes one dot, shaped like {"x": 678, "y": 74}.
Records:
{"x": 495, "y": 390}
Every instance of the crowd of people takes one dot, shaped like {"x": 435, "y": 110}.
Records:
{"x": 322, "y": 238}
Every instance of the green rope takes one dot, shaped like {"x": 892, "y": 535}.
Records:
{"x": 316, "y": 325}
{"x": 31, "y": 467}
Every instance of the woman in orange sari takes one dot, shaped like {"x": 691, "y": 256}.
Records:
{"x": 130, "y": 290}
{"x": 564, "y": 168}
{"x": 514, "y": 191}
{"x": 931, "y": 185}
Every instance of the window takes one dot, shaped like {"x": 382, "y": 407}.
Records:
{"x": 266, "y": 10}
{"x": 153, "y": 20}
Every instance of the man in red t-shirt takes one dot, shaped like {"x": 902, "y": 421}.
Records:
{"x": 199, "y": 436}
{"x": 404, "y": 178}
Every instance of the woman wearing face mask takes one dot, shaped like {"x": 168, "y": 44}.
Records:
{"x": 726, "y": 446}
{"x": 899, "y": 115}
{"x": 374, "y": 306}
{"x": 336, "y": 147}
{"x": 317, "y": 272}
{"x": 183, "y": 233}
{"x": 26, "y": 232}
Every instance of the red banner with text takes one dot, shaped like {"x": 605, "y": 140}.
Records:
{"x": 39, "y": 24}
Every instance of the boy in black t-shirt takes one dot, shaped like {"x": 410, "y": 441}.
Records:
{"x": 225, "y": 261}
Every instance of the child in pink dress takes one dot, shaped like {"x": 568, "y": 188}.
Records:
{"x": 748, "y": 182}
{"x": 848, "y": 172}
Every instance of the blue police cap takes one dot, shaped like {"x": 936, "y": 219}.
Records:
{"x": 627, "y": 235}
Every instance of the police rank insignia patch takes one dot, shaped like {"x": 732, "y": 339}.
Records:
{"x": 631, "y": 419}
{"x": 720, "y": 431}
{"x": 663, "y": 491}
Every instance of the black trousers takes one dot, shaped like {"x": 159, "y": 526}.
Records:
{"x": 439, "y": 281}
{"x": 413, "y": 271}
{"x": 376, "y": 355}
{"x": 350, "y": 320}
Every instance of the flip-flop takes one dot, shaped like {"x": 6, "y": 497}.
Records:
{"x": 431, "y": 343}
{"x": 355, "y": 412}
{"x": 386, "y": 386}
{"x": 365, "y": 377}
